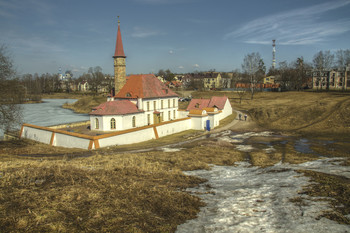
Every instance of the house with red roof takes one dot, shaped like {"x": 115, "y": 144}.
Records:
{"x": 143, "y": 99}
{"x": 212, "y": 110}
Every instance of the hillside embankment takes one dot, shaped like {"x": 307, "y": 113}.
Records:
{"x": 301, "y": 112}
{"x": 308, "y": 113}
{"x": 85, "y": 103}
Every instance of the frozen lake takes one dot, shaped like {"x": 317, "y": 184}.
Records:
{"x": 50, "y": 113}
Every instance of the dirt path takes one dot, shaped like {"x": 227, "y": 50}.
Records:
{"x": 239, "y": 125}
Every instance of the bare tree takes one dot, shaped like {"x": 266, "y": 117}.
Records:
{"x": 323, "y": 61}
{"x": 241, "y": 94}
{"x": 342, "y": 59}
{"x": 11, "y": 93}
{"x": 253, "y": 66}
{"x": 96, "y": 78}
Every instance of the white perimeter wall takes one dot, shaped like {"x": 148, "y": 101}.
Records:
{"x": 128, "y": 138}
{"x": 44, "y": 135}
{"x": 173, "y": 127}
{"x": 69, "y": 141}
{"x": 39, "y": 135}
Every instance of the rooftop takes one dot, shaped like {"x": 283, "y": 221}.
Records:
{"x": 117, "y": 107}
{"x": 144, "y": 86}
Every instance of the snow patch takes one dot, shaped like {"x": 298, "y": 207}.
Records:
{"x": 251, "y": 199}
{"x": 167, "y": 149}
{"x": 245, "y": 148}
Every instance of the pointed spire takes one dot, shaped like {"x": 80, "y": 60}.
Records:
{"x": 119, "y": 51}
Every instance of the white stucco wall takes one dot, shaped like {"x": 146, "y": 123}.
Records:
{"x": 123, "y": 122}
{"x": 198, "y": 122}
{"x": 73, "y": 140}
{"x": 227, "y": 110}
{"x": 64, "y": 140}
{"x": 38, "y": 135}
{"x": 173, "y": 127}
{"x": 69, "y": 141}
{"x": 182, "y": 114}
{"x": 128, "y": 138}
{"x": 214, "y": 120}
{"x": 93, "y": 122}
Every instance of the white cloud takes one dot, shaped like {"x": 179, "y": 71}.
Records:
{"x": 171, "y": 51}
{"x": 299, "y": 26}
{"x": 143, "y": 32}
{"x": 181, "y": 67}
{"x": 196, "y": 66}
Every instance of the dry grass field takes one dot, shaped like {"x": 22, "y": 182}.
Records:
{"x": 52, "y": 189}
{"x": 311, "y": 113}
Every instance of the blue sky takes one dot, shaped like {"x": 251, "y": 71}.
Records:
{"x": 182, "y": 35}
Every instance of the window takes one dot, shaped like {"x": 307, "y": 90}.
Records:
{"x": 174, "y": 103}
{"x": 113, "y": 123}
{"x": 155, "y": 105}
{"x": 148, "y": 119}
{"x": 133, "y": 121}
{"x": 169, "y": 103}
{"x": 161, "y": 104}
{"x": 147, "y": 105}
{"x": 128, "y": 94}
{"x": 97, "y": 125}
{"x": 169, "y": 115}
{"x": 174, "y": 114}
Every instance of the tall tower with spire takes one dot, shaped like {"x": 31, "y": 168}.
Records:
{"x": 119, "y": 63}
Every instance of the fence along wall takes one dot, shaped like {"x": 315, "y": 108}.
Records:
{"x": 57, "y": 137}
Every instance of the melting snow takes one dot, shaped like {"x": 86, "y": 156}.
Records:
{"x": 270, "y": 149}
{"x": 251, "y": 199}
{"x": 245, "y": 148}
{"x": 167, "y": 149}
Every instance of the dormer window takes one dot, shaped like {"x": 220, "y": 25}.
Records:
{"x": 128, "y": 94}
{"x": 197, "y": 105}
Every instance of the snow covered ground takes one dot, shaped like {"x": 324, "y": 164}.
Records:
{"x": 251, "y": 199}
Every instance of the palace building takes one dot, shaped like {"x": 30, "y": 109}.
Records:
{"x": 139, "y": 99}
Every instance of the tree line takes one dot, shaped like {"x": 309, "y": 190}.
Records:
{"x": 295, "y": 75}
{"x": 37, "y": 85}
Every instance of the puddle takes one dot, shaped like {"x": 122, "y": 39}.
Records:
{"x": 251, "y": 199}
{"x": 303, "y": 146}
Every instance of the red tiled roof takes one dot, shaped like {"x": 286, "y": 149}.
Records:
{"x": 144, "y": 86}
{"x": 198, "y": 104}
{"x": 218, "y": 101}
{"x": 119, "y": 51}
{"x": 215, "y": 101}
{"x": 117, "y": 107}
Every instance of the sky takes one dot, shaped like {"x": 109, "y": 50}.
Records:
{"x": 181, "y": 35}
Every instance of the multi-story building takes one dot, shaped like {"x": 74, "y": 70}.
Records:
{"x": 331, "y": 80}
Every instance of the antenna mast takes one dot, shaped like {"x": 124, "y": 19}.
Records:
{"x": 273, "y": 54}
